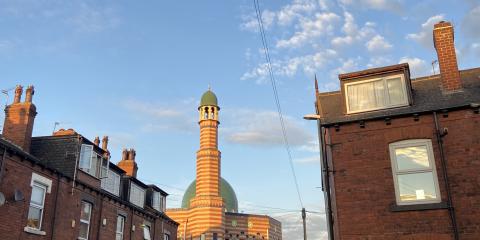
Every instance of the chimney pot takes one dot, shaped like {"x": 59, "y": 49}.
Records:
{"x": 105, "y": 143}
{"x": 96, "y": 141}
{"x": 29, "y": 93}
{"x": 18, "y": 94}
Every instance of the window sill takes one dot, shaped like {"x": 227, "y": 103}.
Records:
{"x": 34, "y": 231}
{"x": 418, "y": 207}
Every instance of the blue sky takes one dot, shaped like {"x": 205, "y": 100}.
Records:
{"x": 135, "y": 72}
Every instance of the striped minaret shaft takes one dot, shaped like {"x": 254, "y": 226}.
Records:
{"x": 208, "y": 156}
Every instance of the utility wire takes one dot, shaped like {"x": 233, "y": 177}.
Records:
{"x": 275, "y": 93}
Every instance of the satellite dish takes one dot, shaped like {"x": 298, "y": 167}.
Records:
{"x": 2, "y": 199}
{"x": 18, "y": 195}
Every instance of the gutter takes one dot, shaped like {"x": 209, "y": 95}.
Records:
{"x": 440, "y": 135}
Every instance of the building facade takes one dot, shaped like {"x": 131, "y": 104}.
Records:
{"x": 401, "y": 156}
{"x": 209, "y": 207}
{"x": 65, "y": 187}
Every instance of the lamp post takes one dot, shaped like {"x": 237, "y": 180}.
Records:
{"x": 325, "y": 171}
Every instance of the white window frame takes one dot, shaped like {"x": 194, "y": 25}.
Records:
{"x": 94, "y": 167}
{"x": 140, "y": 189}
{"x": 112, "y": 180}
{"x": 384, "y": 79}
{"x": 431, "y": 159}
{"x": 40, "y": 207}
{"x": 146, "y": 231}
{"x": 157, "y": 201}
{"x": 85, "y": 221}
{"x": 117, "y": 231}
{"x": 166, "y": 236}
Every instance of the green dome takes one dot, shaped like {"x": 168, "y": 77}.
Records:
{"x": 208, "y": 99}
{"x": 226, "y": 191}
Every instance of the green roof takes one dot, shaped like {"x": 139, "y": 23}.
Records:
{"x": 226, "y": 191}
{"x": 209, "y": 99}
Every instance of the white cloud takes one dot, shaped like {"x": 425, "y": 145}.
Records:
{"x": 379, "y": 61}
{"x": 348, "y": 65}
{"x": 296, "y": 10}
{"x": 352, "y": 32}
{"x": 418, "y": 67}
{"x": 293, "y": 229}
{"x": 308, "y": 160}
{"x": 425, "y": 36}
{"x": 310, "y": 30}
{"x": 390, "y": 5}
{"x": 94, "y": 19}
{"x": 155, "y": 117}
{"x": 308, "y": 63}
{"x": 470, "y": 23}
{"x": 250, "y": 22}
{"x": 378, "y": 44}
{"x": 262, "y": 128}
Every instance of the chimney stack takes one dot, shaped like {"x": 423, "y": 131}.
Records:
{"x": 443, "y": 40}
{"x": 19, "y": 119}
{"x": 128, "y": 163}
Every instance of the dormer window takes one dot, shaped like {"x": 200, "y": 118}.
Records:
{"x": 376, "y": 93}
{"x": 92, "y": 162}
{"x": 111, "y": 183}
{"x": 158, "y": 202}
{"x": 137, "y": 195}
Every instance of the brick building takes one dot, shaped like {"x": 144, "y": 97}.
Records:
{"x": 65, "y": 187}
{"x": 401, "y": 156}
{"x": 209, "y": 206}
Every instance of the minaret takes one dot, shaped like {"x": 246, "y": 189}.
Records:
{"x": 207, "y": 207}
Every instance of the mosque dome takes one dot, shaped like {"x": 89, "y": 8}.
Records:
{"x": 226, "y": 191}
{"x": 209, "y": 99}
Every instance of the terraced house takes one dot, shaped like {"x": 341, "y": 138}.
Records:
{"x": 401, "y": 156}
{"x": 64, "y": 186}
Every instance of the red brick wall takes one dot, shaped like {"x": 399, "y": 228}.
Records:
{"x": 363, "y": 182}
{"x": 17, "y": 175}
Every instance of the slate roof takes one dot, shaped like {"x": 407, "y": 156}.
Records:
{"x": 427, "y": 96}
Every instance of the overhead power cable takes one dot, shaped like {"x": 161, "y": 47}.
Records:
{"x": 275, "y": 93}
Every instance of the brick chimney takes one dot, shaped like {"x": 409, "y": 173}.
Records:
{"x": 128, "y": 163}
{"x": 443, "y": 39}
{"x": 19, "y": 118}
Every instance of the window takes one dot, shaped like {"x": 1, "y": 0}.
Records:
{"x": 156, "y": 203}
{"x": 137, "y": 195}
{"x": 146, "y": 232}
{"x": 111, "y": 183}
{"x": 166, "y": 236}
{"x": 374, "y": 94}
{"x": 93, "y": 163}
{"x": 120, "y": 227}
{"x": 37, "y": 203}
{"x": 85, "y": 216}
{"x": 414, "y": 172}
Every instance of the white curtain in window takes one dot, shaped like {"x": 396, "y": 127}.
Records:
{"x": 367, "y": 95}
{"x": 395, "y": 91}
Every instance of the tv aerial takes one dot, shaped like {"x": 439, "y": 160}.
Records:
{"x": 5, "y": 92}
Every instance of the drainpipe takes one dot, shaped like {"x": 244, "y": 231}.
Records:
{"x": 55, "y": 207}
{"x": 2, "y": 163}
{"x": 326, "y": 174}
{"x": 100, "y": 221}
{"x": 440, "y": 134}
